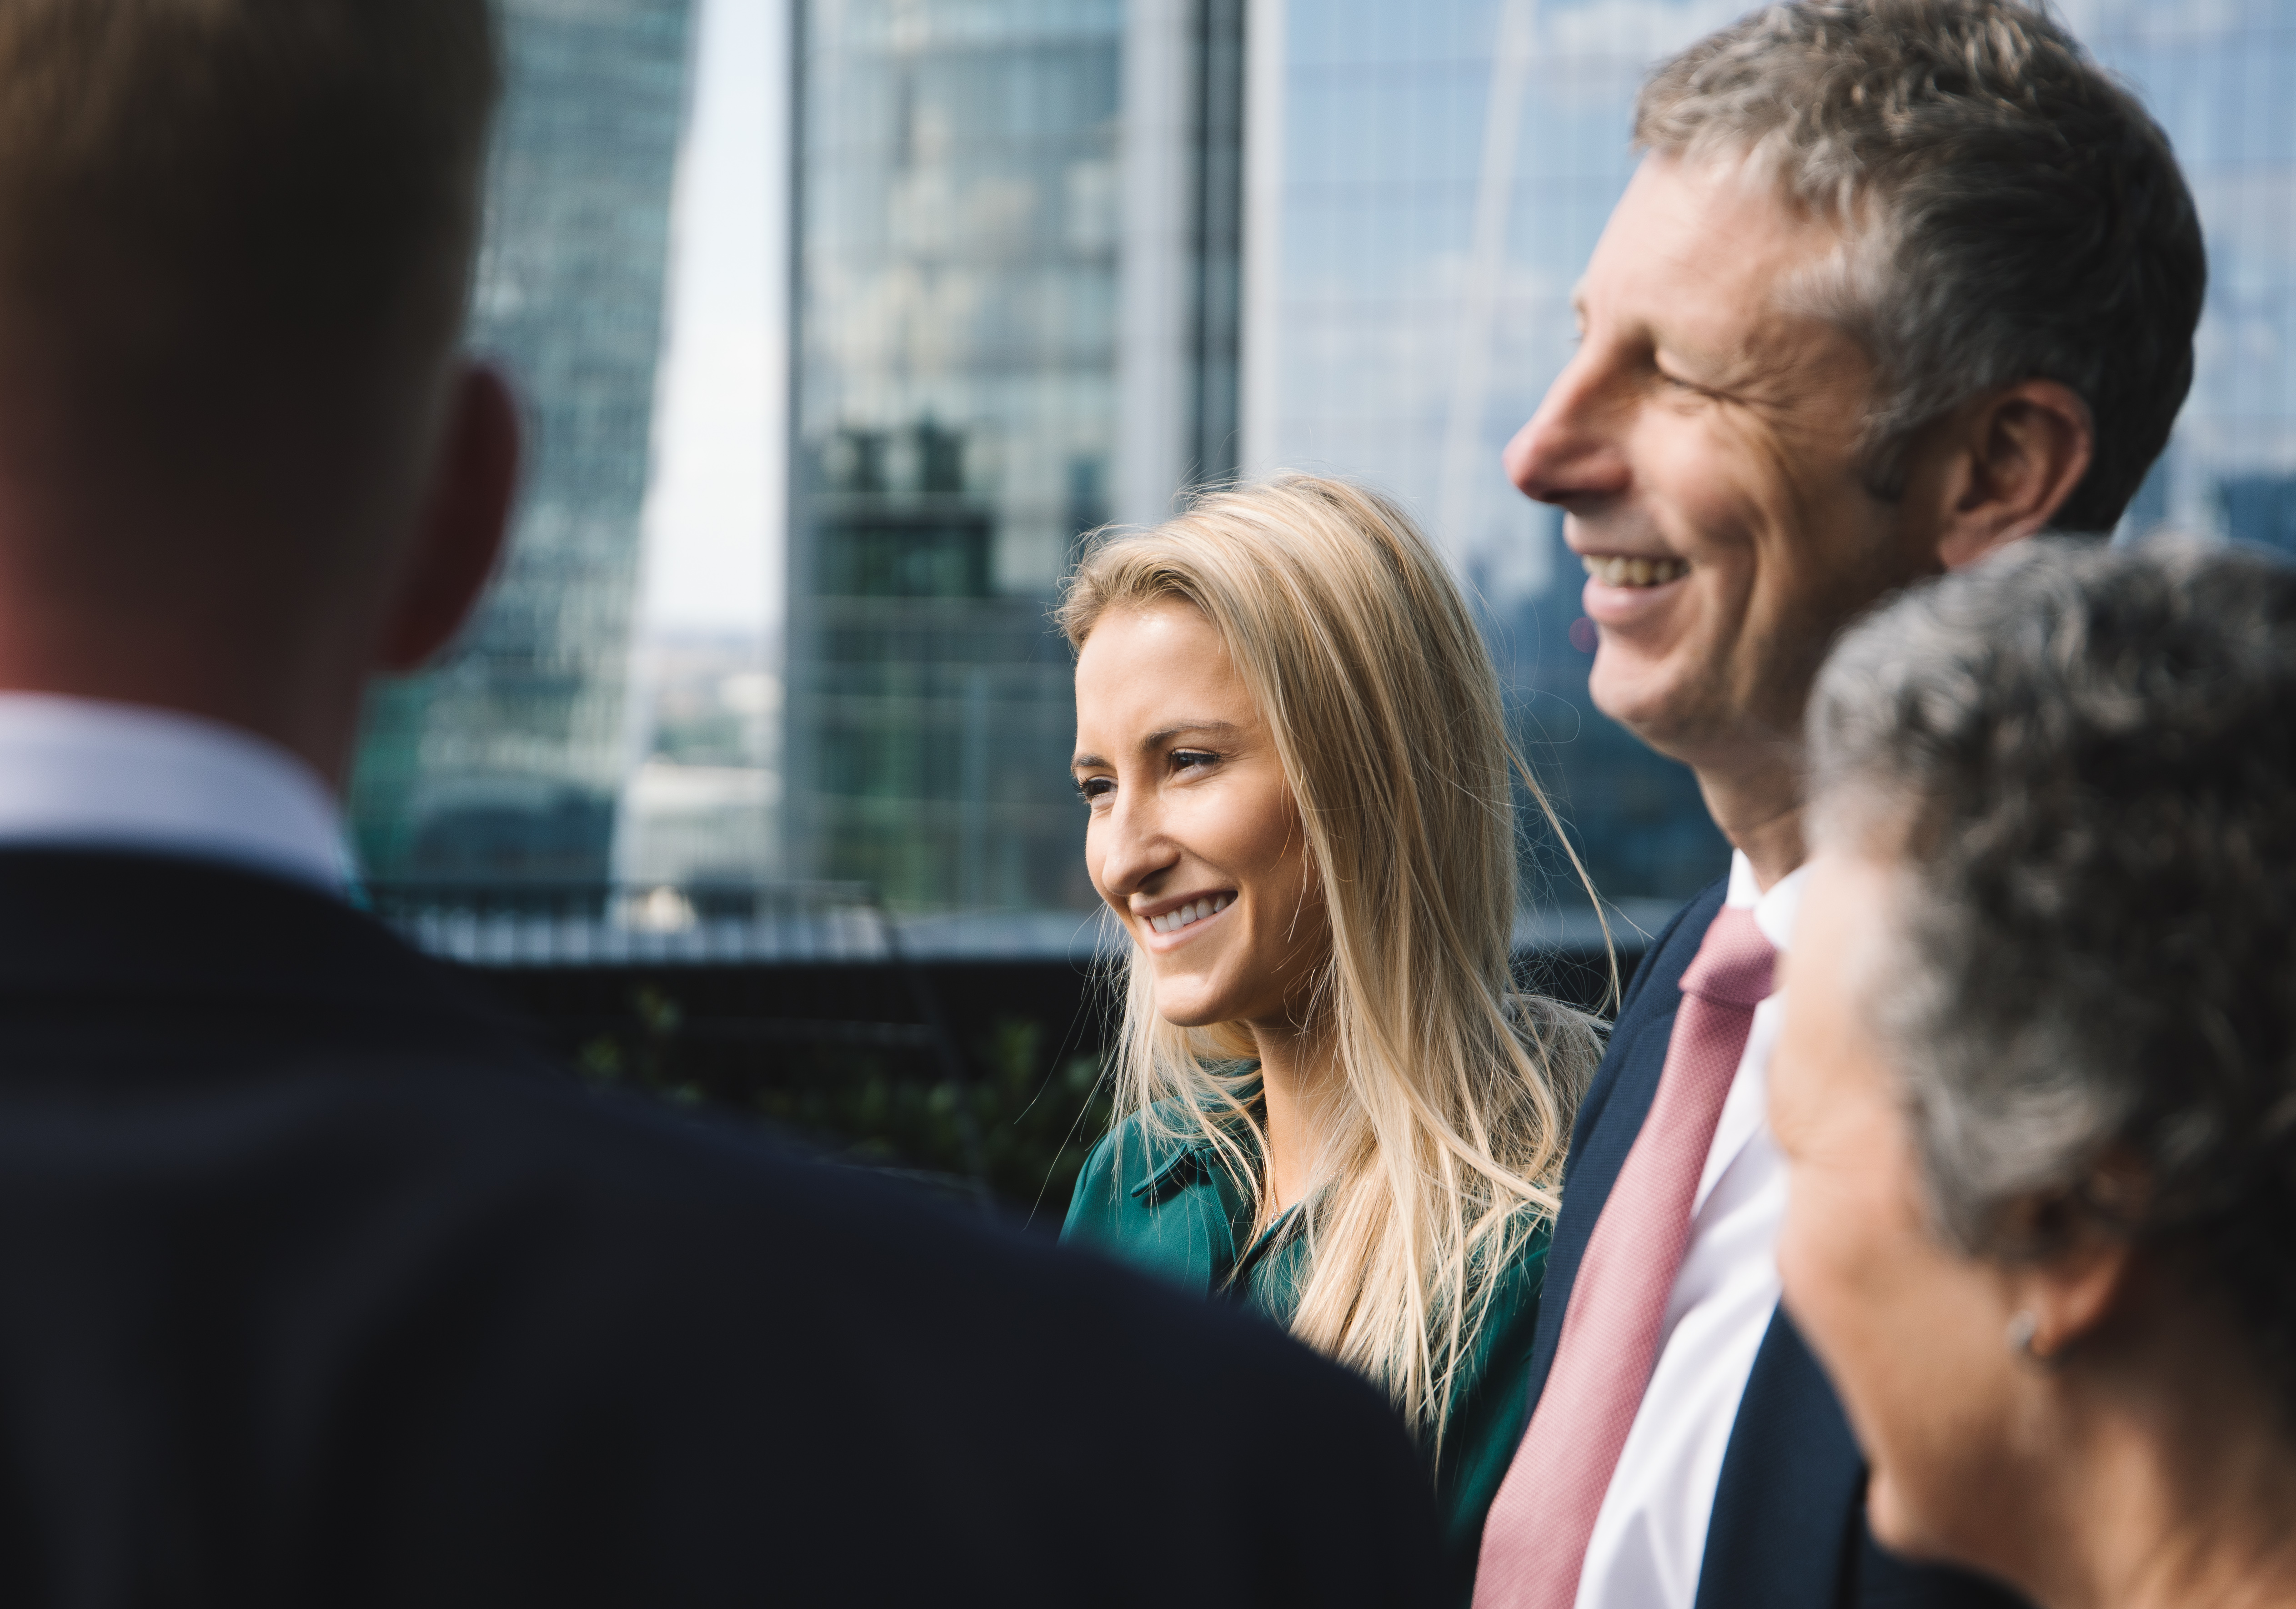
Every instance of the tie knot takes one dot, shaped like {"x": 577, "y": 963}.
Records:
{"x": 1733, "y": 964}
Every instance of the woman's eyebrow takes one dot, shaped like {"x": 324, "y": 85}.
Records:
{"x": 1209, "y": 728}
{"x": 1159, "y": 737}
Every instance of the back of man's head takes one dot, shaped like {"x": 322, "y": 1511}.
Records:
{"x": 235, "y": 239}
{"x": 2014, "y": 213}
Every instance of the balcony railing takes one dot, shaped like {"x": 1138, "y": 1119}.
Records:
{"x": 527, "y": 923}
{"x": 532, "y": 923}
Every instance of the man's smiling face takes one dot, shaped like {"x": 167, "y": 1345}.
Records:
{"x": 1704, "y": 441}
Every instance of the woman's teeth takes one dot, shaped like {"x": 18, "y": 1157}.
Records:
{"x": 1613, "y": 571}
{"x": 1172, "y": 922}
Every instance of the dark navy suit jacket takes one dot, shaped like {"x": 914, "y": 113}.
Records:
{"x": 322, "y": 1289}
{"x": 1789, "y": 1528}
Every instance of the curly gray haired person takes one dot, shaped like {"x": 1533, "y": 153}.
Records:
{"x": 2037, "y": 1082}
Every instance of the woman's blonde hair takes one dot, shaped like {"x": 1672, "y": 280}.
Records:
{"x": 1441, "y": 1143}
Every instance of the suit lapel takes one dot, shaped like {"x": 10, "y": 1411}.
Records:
{"x": 1612, "y": 1112}
{"x": 1789, "y": 1527}
{"x": 1788, "y": 1505}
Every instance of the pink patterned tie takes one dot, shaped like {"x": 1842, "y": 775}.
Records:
{"x": 1535, "y": 1541}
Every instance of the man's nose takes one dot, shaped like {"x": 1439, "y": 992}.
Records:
{"x": 1570, "y": 453}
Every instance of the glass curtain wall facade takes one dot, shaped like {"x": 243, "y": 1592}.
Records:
{"x": 960, "y": 395}
{"x": 502, "y": 763}
{"x": 1434, "y": 177}
{"x": 2218, "y": 77}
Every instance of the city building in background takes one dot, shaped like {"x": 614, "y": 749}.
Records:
{"x": 1015, "y": 291}
{"x": 1426, "y": 183}
{"x": 703, "y": 805}
{"x": 2217, "y": 77}
{"x": 1052, "y": 262}
{"x": 503, "y": 763}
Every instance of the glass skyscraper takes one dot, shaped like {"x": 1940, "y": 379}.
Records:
{"x": 1015, "y": 306}
{"x": 502, "y": 763}
{"x": 2217, "y": 77}
{"x": 1427, "y": 183}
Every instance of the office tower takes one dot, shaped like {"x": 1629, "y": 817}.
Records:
{"x": 502, "y": 763}
{"x": 1426, "y": 184}
{"x": 1014, "y": 304}
{"x": 2216, "y": 76}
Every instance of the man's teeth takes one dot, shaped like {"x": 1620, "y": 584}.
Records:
{"x": 1615, "y": 571}
{"x": 1171, "y": 921}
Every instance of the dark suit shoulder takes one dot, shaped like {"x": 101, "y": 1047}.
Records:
{"x": 323, "y": 1289}
{"x": 1002, "y": 1386}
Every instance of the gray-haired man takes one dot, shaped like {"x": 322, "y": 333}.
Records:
{"x": 1898, "y": 281}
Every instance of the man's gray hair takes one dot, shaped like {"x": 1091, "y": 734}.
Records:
{"x": 2013, "y": 212}
{"x": 2082, "y": 762}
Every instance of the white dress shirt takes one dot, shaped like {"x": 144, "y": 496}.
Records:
{"x": 1650, "y": 1536}
{"x": 78, "y": 773}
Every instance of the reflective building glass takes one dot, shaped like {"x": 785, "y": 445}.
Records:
{"x": 954, "y": 422}
{"x": 504, "y": 762}
{"x": 2216, "y": 76}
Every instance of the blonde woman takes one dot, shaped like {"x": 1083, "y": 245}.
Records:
{"x": 1332, "y": 1103}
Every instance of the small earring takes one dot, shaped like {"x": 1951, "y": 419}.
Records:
{"x": 2024, "y": 1330}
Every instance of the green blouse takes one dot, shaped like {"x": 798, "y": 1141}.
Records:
{"x": 1168, "y": 1206}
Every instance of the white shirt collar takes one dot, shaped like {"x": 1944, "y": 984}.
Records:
{"x": 1774, "y": 908}
{"x": 87, "y": 774}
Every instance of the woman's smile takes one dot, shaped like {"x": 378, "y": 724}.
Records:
{"x": 1172, "y": 923}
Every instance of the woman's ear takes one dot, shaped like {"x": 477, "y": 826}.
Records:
{"x": 2010, "y": 460}
{"x": 464, "y": 520}
{"x": 2065, "y": 1293}
{"x": 2068, "y": 1298}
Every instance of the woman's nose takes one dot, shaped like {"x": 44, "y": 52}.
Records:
{"x": 1133, "y": 848}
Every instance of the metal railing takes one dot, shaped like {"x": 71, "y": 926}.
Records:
{"x": 511, "y": 924}
{"x": 612, "y": 924}
{"x": 603, "y": 923}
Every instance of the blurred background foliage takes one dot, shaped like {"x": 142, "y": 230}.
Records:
{"x": 1006, "y": 1099}
{"x": 979, "y": 1080}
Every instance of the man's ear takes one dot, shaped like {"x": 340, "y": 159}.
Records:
{"x": 2007, "y": 462}
{"x": 464, "y": 520}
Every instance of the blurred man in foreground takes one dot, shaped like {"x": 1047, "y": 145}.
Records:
{"x": 1898, "y": 282}
{"x": 318, "y": 1290}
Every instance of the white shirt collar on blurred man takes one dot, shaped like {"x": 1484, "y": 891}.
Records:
{"x": 78, "y": 773}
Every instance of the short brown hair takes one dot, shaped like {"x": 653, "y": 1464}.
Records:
{"x": 197, "y": 196}
{"x": 2016, "y": 214}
